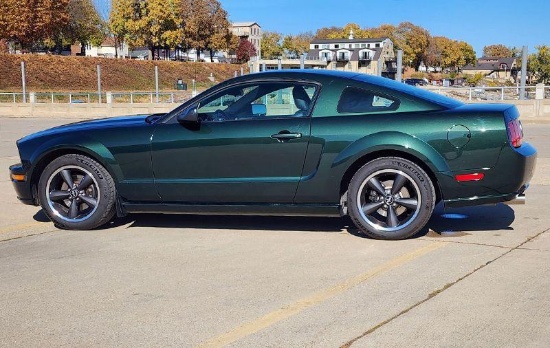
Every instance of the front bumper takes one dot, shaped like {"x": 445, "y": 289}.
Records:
{"x": 23, "y": 188}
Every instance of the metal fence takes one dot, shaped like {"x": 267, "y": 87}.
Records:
{"x": 461, "y": 93}
{"x": 490, "y": 93}
{"x": 94, "y": 97}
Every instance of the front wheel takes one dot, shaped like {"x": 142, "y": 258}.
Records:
{"x": 76, "y": 192}
{"x": 390, "y": 198}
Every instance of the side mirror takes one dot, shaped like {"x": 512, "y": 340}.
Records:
{"x": 189, "y": 116}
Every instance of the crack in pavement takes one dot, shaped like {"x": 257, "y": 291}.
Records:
{"x": 441, "y": 290}
{"x": 27, "y": 235}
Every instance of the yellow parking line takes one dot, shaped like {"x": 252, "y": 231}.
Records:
{"x": 315, "y": 299}
{"x": 12, "y": 228}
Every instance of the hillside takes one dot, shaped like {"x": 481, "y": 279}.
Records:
{"x": 57, "y": 73}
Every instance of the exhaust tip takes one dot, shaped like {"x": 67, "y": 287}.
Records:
{"x": 520, "y": 199}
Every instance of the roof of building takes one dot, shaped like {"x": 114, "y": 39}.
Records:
{"x": 490, "y": 63}
{"x": 327, "y": 41}
{"x": 244, "y": 24}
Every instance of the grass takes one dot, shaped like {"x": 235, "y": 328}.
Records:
{"x": 58, "y": 73}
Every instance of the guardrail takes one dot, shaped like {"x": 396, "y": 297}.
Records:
{"x": 491, "y": 93}
{"x": 462, "y": 93}
{"x": 91, "y": 97}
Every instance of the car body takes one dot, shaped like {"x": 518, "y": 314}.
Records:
{"x": 300, "y": 142}
{"x": 416, "y": 82}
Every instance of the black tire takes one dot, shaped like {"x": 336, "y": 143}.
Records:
{"x": 390, "y": 198}
{"x": 77, "y": 193}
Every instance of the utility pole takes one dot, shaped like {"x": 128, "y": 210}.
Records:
{"x": 523, "y": 73}
{"x": 23, "y": 79}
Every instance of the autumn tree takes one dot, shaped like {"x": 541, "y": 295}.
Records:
{"x": 245, "y": 51}
{"x": 413, "y": 40}
{"x": 327, "y": 32}
{"x": 539, "y": 63}
{"x": 4, "y": 47}
{"x": 121, "y": 14}
{"x": 296, "y": 45}
{"x": 205, "y": 25}
{"x": 443, "y": 52}
{"x": 85, "y": 25}
{"x": 271, "y": 46}
{"x": 29, "y": 22}
{"x": 217, "y": 29}
{"x": 497, "y": 51}
{"x": 146, "y": 23}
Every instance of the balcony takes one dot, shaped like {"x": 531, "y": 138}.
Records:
{"x": 365, "y": 58}
{"x": 342, "y": 58}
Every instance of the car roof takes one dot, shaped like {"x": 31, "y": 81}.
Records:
{"x": 322, "y": 75}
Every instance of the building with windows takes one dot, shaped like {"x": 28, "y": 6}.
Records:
{"x": 369, "y": 56}
{"x": 495, "y": 67}
{"x": 250, "y": 31}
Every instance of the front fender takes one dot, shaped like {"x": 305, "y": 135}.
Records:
{"x": 396, "y": 141}
{"x": 79, "y": 143}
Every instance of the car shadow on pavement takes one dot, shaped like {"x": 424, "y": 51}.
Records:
{"x": 236, "y": 222}
{"x": 444, "y": 222}
{"x": 469, "y": 219}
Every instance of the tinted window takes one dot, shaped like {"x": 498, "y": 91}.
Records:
{"x": 258, "y": 100}
{"x": 357, "y": 100}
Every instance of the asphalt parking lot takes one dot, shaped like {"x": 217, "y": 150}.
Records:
{"x": 478, "y": 277}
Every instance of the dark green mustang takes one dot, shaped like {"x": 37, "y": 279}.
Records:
{"x": 302, "y": 142}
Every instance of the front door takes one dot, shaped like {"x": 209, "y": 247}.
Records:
{"x": 249, "y": 148}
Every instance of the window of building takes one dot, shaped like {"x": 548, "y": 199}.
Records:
{"x": 325, "y": 46}
{"x": 377, "y": 45}
{"x": 363, "y": 45}
{"x": 336, "y": 46}
{"x": 316, "y": 46}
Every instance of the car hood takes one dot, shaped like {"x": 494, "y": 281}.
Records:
{"x": 113, "y": 122}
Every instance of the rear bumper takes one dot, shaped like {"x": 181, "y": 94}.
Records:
{"x": 23, "y": 188}
{"x": 506, "y": 182}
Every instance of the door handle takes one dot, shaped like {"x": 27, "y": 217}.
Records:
{"x": 286, "y": 136}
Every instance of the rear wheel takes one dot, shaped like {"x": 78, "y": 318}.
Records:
{"x": 76, "y": 192}
{"x": 390, "y": 198}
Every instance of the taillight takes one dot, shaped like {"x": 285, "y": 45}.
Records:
{"x": 515, "y": 133}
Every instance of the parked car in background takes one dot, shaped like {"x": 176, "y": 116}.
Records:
{"x": 300, "y": 142}
{"x": 416, "y": 82}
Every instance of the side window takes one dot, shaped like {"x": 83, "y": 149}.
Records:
{"x": 362, "y": 101}
{"x": 258, "y": 100}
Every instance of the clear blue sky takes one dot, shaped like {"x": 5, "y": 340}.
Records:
{"x": 478, "y": 22}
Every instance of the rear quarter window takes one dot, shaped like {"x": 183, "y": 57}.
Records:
{"x": 355, "y": 100}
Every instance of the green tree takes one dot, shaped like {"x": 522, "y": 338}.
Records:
{"x": 539, "y": 63}
{"x": 497, "y": 51}
{"x": 271, "y": 45}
